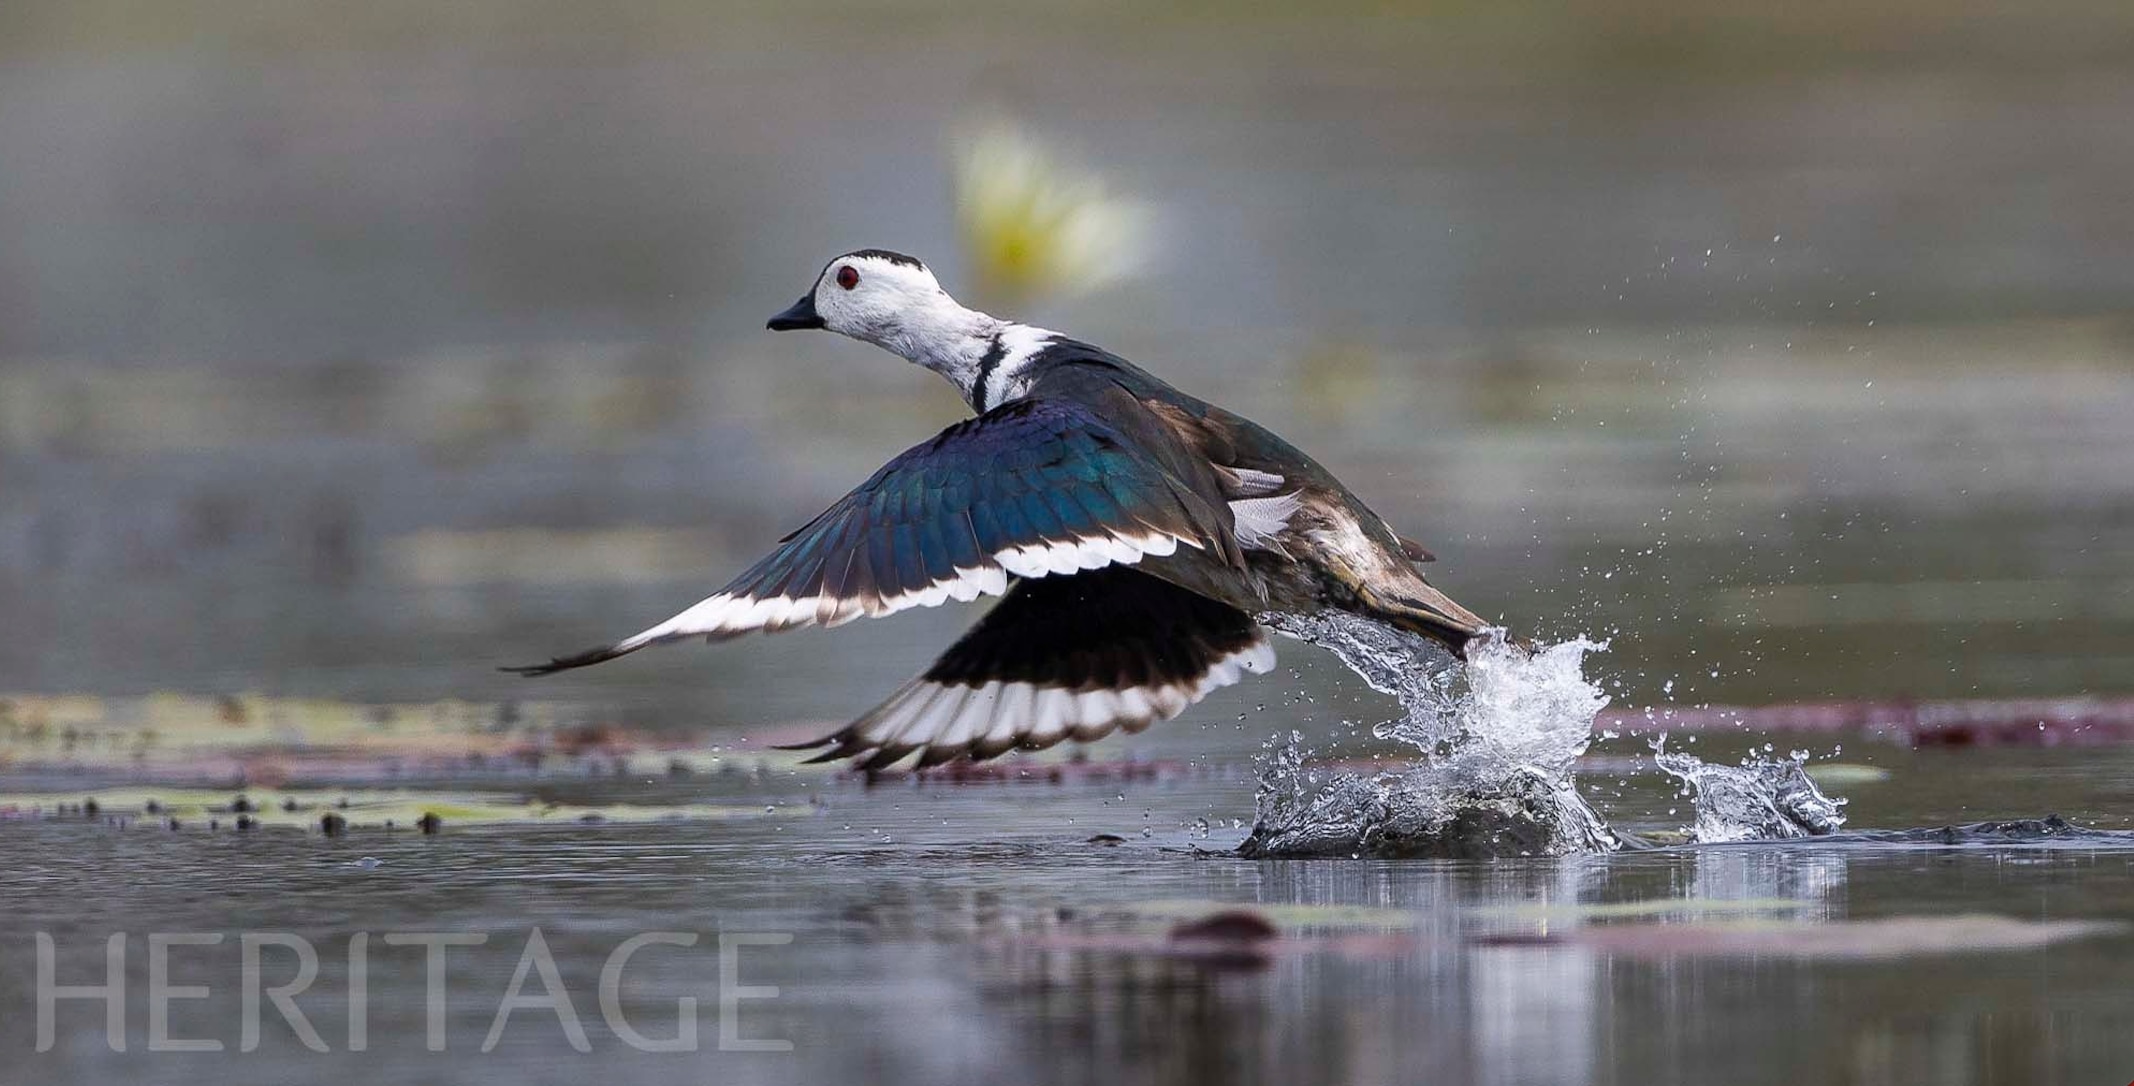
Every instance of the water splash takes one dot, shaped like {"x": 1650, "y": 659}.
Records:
{"x": 1761, "y": 799}
{"x": 1497, "y": 739}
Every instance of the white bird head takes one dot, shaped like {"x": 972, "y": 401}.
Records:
{"x": 892, "y": 301}
{"x": 873, "y": 295}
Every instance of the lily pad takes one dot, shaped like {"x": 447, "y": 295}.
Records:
{"x": 1208, "y": 935}
{"x": 1846, "y": 774}
{"x": 1651, "y": 907}
{"x": 1882, "y": 938}
{"x": 257, "y": 740}
{"x": 1287, "y": 917}
{"x": 354, "y": 808}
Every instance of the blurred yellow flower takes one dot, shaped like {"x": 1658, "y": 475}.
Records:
{"x": 1032, "y": 226}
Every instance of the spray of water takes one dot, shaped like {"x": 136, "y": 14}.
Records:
{"x": 1497, "y": 739}
{"x": 1760, "y": 799}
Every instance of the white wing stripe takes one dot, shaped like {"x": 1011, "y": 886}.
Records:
{"x": 977, "y": 712}
{"x": 924, "y": 715}
{"x": 1017, "y": 702}
{"x": 724, "y": 615}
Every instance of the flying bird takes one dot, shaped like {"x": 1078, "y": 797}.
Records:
{"x": 1132, "y": 531}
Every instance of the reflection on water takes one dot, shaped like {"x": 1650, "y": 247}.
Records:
{"x": 1041, "y": 958}
{"x": 1812, "y": 879}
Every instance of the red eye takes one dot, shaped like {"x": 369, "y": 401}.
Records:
{"x": 848, "y": 277}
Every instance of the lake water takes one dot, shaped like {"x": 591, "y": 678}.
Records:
{"x": 974, "y": 932}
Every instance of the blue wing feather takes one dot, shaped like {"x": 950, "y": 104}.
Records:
{"x": 1025, "y": 474}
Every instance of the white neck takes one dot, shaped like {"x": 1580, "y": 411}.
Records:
{"x": 960, "y": 344}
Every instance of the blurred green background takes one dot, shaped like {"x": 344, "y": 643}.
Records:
{"x": 352, "y": 350}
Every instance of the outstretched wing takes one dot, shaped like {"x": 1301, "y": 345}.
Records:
{"x": 1032, "y": 488}
{"x": 1061, "y": 658}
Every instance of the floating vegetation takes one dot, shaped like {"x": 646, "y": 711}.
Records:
{"x": 1833, "y": 774}
{"x": 1648, "y": 909}
{"x": 1218, "y": 936}
{"x": 334, "y": 812}
{"x": 2052, "y": 830}
{"x": 256, "y": 740}
{"x": 2016, "y": 722}
{"x": 1211, "y": 933}
{"x": 1881, "y": 938}
{"x": 1286, "y": 916}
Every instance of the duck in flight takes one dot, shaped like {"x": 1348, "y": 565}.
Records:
{"x": 1133, "y": 532}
